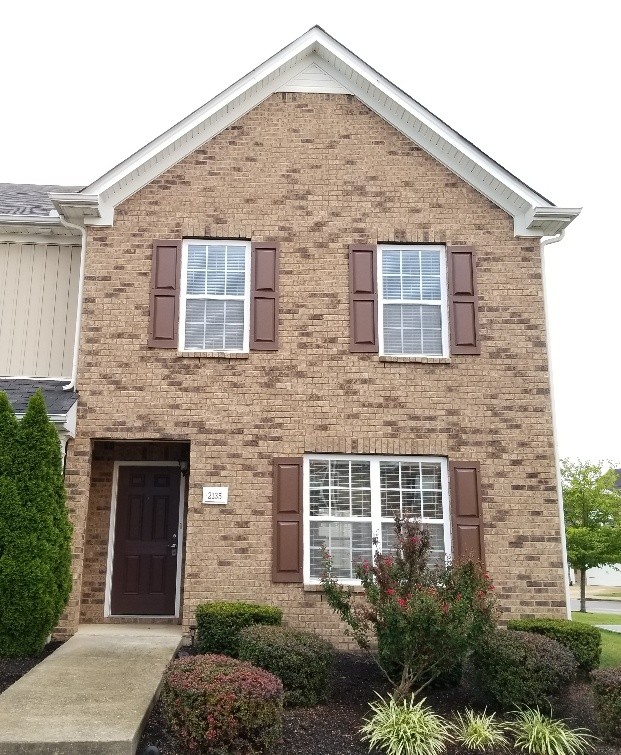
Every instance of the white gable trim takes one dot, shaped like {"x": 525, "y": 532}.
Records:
{"x": 317, "y": 60}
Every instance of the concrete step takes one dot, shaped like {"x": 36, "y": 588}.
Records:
{"x": 90, "y": 697}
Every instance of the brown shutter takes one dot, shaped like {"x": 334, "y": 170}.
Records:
{"x": 463, "y": 306}
{"x": 264, "y": 297}
{"x": 164, "y": 309}
{"x": 363, "y": 299}
{"x": 466, "y": 516}
{"x": 287, "y": 545}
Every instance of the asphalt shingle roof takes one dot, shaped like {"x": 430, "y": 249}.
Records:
{"x": 19, "y": 391}
{"x": 29, "y": 199}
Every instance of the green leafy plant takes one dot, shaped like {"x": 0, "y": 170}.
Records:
{"x": 538, "y": 734}
{"x": 35, "y": 531}
{"x": 479, "y": 731}
{"x": 584, "y": 641}
{"x": 592, "y": 506}
{"x": 520, "y": 668}
{"x": 607, "y": 688}
{"x": 301, "y": 660}
{"x": 405, "y": 728}
{"x": 219, "y": 623}
{"x": 425, "y": 619}
{"x": 217, "y": 704}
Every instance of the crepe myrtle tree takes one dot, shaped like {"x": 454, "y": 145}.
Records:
{"x": 35, "y": 532}
{"x": 417, "y": 620}
{"x": 592, "y": 506}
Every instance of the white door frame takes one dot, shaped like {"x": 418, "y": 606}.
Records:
{"x": 109, "y": 569}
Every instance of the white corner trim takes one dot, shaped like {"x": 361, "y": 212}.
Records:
{"x": 71, "y": 419}
{"x": 112, "y": 529}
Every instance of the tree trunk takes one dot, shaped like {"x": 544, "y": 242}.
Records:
{"x": 583, "y": 590}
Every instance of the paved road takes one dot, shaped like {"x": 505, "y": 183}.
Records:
{"x": 599, "y": 606}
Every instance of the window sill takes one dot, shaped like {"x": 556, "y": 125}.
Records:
{"x": 319, "y": 588}
{"x": 421, "y": 360}
{"x": 215, "y": 354}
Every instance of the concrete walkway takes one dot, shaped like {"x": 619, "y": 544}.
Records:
{"x": 92, "y": 696}
{"x": 610, "y": 627}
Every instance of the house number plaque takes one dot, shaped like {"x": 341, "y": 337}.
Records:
{"x": 216, "y": 495}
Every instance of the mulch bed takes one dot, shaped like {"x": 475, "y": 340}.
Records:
{"x": 333, "y": 729}
{"x": 11, "y": 669}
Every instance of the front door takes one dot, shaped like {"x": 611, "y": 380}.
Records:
{"x": 144, "y": 566}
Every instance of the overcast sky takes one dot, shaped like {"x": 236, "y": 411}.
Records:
{"x": 535, "y": 85}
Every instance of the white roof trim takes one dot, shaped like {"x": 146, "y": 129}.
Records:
{"x": 40, "y": 229}
{"x": 95, "y": 205}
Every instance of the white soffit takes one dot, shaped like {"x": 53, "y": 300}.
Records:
{"x": 316, "y": 62}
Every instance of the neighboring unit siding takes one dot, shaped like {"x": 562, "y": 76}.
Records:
{"x": 316, "y": 173}
{"x": 38, "y": 298}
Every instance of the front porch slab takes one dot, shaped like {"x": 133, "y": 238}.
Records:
{"x": 92, "y": 696}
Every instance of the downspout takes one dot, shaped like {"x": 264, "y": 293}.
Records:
{"x": 559, "y": 485}
{"x": 76, "y": 342}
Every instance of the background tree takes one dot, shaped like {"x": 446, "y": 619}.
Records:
{"x": 35, "y": 532}
{"x": 592, "y": 507}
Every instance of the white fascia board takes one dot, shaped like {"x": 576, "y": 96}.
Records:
{"x": 545, "y": 221}
{"x": 76, "y": 205}
{"x": 71, "y": 419}
{"x": 96, "y": 204}
{"x": 46, "y": 221}
{"x": 301, "y": 46}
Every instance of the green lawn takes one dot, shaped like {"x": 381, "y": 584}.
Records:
{"x": 611, "y": 641}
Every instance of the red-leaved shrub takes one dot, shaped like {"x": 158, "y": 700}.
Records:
{"x": 214, "y": 703}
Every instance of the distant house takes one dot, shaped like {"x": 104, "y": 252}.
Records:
{"x": 307, "y": 307}
{"x": 39, "y": 274}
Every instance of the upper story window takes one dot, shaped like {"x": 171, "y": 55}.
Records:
{"x": 350, "y": 503}
{"x": 215, "y": 296}
{"x": 413, "y": 318}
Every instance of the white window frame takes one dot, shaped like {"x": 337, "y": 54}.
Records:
{"x": 376, "y": 512}
{"x": 443, "y": 296}
{"x": 184, "y": 295}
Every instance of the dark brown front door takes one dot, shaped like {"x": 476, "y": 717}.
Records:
{"x": 144, "y": 567}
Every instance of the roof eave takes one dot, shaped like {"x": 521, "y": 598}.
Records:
{"x": 76, "y": 207}
{"x": 545, "y": 221}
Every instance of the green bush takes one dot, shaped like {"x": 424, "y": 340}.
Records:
{"x": 521, "y": 668}
{"x": 405, "y": 728}
{"x": 607, "y": 688}
{"x": 303, "y": 661}
{"x": 537, "y": 734}
{"x": 35, "y": 532}
{"x": 584, "y": 641}
{"x": 220, "y": 622}
{"x": 217, "y": 704}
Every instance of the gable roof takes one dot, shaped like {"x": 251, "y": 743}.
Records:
{"x": 318, "y": 62}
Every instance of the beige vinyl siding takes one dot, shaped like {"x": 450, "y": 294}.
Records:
{"x": 38, "y": 298}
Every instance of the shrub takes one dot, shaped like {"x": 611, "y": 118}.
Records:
{"x": 537, "y": 734}
{"x": 520, "y": 668}
{"x": 219, "y": 623}
{"x": 303, "y": 661}
{"x": 214, "y": 704}
{"x": 607, "y": 688}
{"x": 405, "y": 728}
{"x": 35, "y": 532}
{"x": 584, "y": 641}
{"x": 479, "y": 731}
{"x": 425, "y": 618}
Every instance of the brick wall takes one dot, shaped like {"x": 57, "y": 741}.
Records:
{"x": 317, "y": 172}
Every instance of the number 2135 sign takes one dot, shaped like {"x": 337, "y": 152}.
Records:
{"x": 215, "y": 495}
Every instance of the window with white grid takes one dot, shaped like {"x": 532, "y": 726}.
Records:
{"x": 216, "y": 294}
{"x": 350, "y": 503}
{"x": 412, "y": 291}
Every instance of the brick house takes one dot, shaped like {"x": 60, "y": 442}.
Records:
{"x": 306, "y": 307}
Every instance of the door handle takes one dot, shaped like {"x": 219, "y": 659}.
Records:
{"x": 173, "y": 546}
